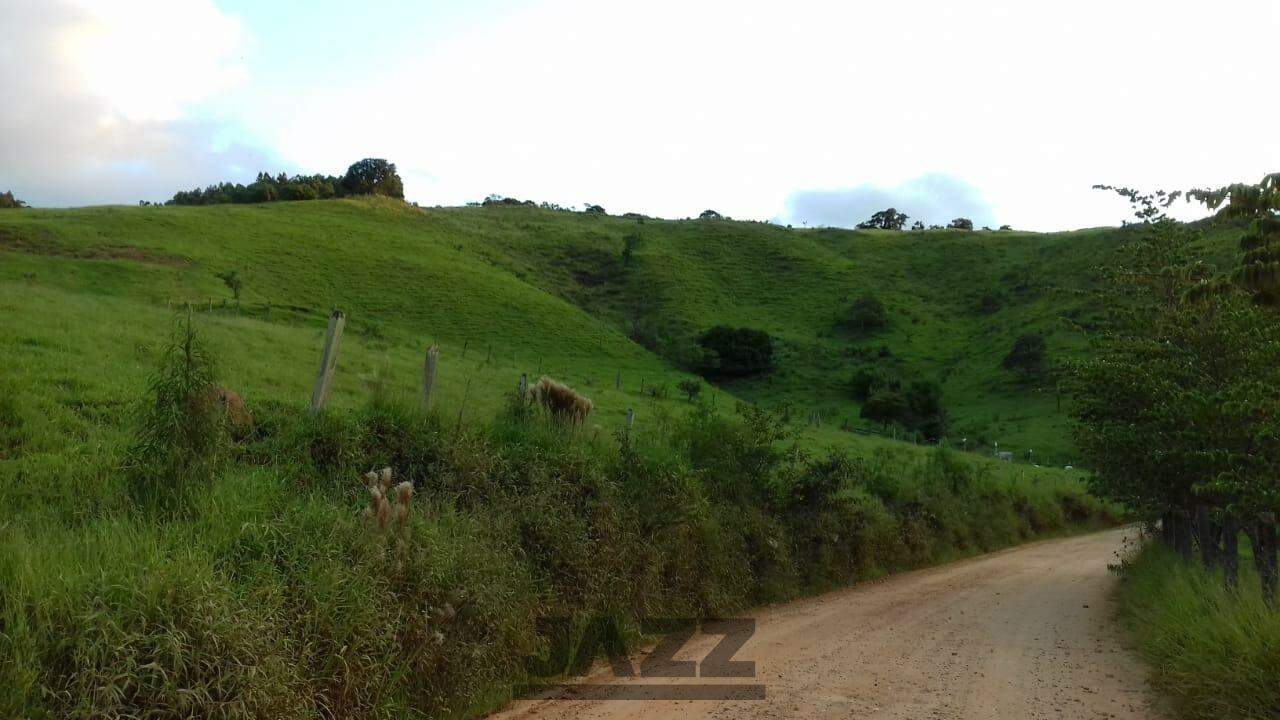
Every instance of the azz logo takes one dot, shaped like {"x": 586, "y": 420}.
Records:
{"x": 575, "y": 648}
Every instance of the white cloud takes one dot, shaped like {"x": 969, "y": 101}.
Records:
{"x": 151, "y": 59}
{"x": 99, "y": 98}
{"x": 930, "y": 199}
{"x": 671, "y": 107}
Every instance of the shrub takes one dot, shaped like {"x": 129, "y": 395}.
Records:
{"x": 181, "y": 428}
{"x": 867, "y": 379}
{"x": 867, "y": 314}
{"x": 737, "y": 352}
{"x": 690, "y": 388}
{"x": 1026, "y": 356}
{"x": 886, "y": 405}
{"x": 961, "y": 224}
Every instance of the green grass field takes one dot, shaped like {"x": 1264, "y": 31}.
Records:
{"x": 265, "y": 594}
{"x": 526, "y": 290}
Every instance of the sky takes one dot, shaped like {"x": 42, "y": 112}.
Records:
{"x": 799, "y": 112}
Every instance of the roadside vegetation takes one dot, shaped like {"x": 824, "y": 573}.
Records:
{"x": 1177, "y": 413}
{"x": 285, "y": 573}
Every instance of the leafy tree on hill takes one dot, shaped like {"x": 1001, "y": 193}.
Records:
{"x": 867, "y": 314}
{"x": 1026, "y": 356}
{"x": 9, "y": 202}
{"x": 710, "y": 215}
{"x": 886, "y": 405}
{"x": 961, "y": 224}
{"x": 917, "y": 225}
{"x": 737, "y": 352}
{"x": 870, "y": 378}
{"x": 594, "y": 210}
{"x": 629, "y": 245}
{"x": 373, "y": 176}
{"x": 690, "y": 388}
{"x": 887, "y": 219}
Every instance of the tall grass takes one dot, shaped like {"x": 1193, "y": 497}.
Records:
{"x": 1214, "y": 651}
{"x": 270, "y": 595}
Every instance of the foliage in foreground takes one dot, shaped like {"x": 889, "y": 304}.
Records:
{"x": 1177, "y": 408}
{"x": 272, "y": 596}
{"x": 1214, "y": 651}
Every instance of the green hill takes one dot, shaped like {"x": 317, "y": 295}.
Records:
{"x": 507, "y": 290}
{"x": 255, "y": 578}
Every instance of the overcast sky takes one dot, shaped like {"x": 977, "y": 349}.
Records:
{"x": 797, "y": 111}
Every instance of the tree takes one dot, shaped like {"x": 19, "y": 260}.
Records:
{"x": 917, "y": 225}
{"x": 234, "y": 282}
{"x": 867, "y": 314}
{"x": 868, "y": 379}
{"x": 373, "y": 176}
{"x": 1176, "y": 408}
{"x": 9, "y": 202}
{"x": 629, "y": 245}
{"x": 594, "y": 210}
{"x": 1259, "y": 270}
{"x": 710, "y": 215}
{"x": 737, "y": 352}
{"x": 887, "y": 219}
{"x": 885, "y": 406}
{"x": 1026, "y": 356}
{"x": 1005, "y": 228}
{"x": 690, "y": 388}
{"x": 961, "y": 224}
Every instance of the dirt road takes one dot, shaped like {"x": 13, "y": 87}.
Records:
{"x": 1024, "y": 633}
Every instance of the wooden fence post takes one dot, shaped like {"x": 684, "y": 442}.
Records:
{"x": 631, "y": 418}
{"x": 429, "y": 374}
{"x": 523, "y": 386}
{"x": 328, "y": 361}
{"x": 1230, "y": 550}
{"x": 617, "y": 381}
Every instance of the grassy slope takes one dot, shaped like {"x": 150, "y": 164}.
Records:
{"x": 547, "y": 291}
{"x": 273, "y": 571}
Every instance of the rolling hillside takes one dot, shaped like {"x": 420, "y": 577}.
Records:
{"x": 507, "y": 290}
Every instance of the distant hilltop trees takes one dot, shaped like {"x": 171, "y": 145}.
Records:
{"x": 9, "y": 202}
{"x": 371, "y": 176}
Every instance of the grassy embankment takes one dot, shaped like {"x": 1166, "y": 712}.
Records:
{"x": 1215, "y": 653}
{"x": 267, "y": 594}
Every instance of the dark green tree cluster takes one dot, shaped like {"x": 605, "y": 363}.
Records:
{"x": 9, "y": 202}
{"x": 1027, "y": 356}
{"x": 736, "y": 352}
{"x": 887, "y": 219}
{"x": 370, "y": 176}
{"x": 1177, "y": 407}
{"x": 886, "y": 399}
{"x": 867, "y": 314}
